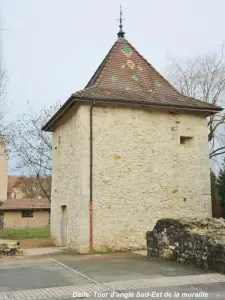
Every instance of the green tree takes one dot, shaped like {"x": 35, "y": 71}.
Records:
{"x": 221, "y": 188}
{"x": 221, "y": 184}
{"x": 213, "y": 185}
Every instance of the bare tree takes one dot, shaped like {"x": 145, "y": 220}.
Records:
{"x": 31, "y": 187}
{"x": 203, "y": 77}
{"x": 3, "y": 80}
{"x": 35, "y": 187}
{"x": 32, "y": 148}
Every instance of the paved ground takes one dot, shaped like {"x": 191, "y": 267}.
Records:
{"x": 118, "y": 276}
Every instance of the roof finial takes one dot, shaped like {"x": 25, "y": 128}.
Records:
{"x": 121, "y": 33}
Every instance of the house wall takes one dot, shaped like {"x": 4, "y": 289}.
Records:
{"x": 3, "y": 171}
{"x": 141, "y": 173}
{"x": 17, "y": 193}
{"x": 14, "y": 219}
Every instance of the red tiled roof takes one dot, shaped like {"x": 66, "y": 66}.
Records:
{"x": 125, "y": 76}
{"x": 20, "y": 204}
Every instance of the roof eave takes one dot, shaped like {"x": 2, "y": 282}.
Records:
{"x": 73, "y": 98}
{"x": 62, "y": 109}
{"x": 212, "y": 110}
{"x": 25, "y": 208}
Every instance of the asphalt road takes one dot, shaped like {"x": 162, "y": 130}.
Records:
{"x": 116, "y": 276}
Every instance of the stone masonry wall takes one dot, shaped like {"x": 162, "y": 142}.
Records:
{"x": 70, "y": 179}
{"x": 195, "y": 241}
{"x": 142, "y": 173}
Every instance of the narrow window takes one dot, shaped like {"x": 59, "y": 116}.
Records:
{"x": 186, "y": 141}
{"x": 27, "y": 214}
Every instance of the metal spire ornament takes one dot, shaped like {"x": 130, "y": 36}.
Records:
{"x": 121, "y": 33}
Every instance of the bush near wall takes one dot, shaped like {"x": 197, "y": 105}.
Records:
{"x": 195, "y": 241}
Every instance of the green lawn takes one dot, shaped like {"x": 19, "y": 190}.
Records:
{"x": 24, "y": 233}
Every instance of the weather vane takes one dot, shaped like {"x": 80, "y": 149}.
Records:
{"x": 121, "y": 33}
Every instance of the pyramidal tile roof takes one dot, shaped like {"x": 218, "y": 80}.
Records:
{"x": 125, "y": 76}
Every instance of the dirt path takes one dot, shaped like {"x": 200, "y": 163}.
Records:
{"x": 36, "y": 243}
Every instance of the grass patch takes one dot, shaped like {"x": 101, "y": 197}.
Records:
{"x": 102, "y": 251}
{"x": 24, "y": 233}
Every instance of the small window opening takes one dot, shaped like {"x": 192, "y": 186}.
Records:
{"x": 186, "y": 141}
{"x": 27, "y": 214}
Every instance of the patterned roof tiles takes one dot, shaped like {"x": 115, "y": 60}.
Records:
{"x": 126, "y": 76}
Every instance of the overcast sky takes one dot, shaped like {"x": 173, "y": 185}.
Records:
{"x": 53, "y": 47}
